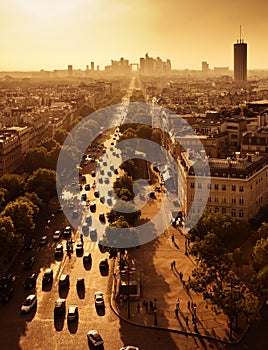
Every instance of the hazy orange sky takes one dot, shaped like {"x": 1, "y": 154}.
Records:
{"x": 50, "y": 34}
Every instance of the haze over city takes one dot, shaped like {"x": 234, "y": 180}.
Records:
{"x": 38, "y": 34}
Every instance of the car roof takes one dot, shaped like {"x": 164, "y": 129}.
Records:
{"x": 72, "y": 308}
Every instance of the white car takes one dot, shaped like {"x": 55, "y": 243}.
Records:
{"x": 94, "y": 338}
{"x": 129, "y": 347}
{"x": 57, "y": 235}
{"x": 99, "y": 301}
{"x": 29, "y": 303}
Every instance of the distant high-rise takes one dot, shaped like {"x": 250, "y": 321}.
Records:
{"x": 70, "y": 70}
{"x": 240, "y": 60}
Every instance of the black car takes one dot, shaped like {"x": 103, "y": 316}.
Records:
{"x": 104, "y": 265}
{"x": 102, "y": 217}
{"x": 80, "y": 284}
{"x": 60, "y": 307}
{"x": 87, "y": 187}
{"x": 30, "y": 281}
{"x": 64, "y": 281}
{"x": 47, "y": 277}
{"x": 84, "y": 197}
{"x": 28, "y": 263}
{"x": 87, "y": 259}
{"x": 58, "y": 252}
{"x": 6, "y": 281}
{"x": 6, "y": 294}
{"x": 93, "y": 207}
{"x": 30, "y": 244}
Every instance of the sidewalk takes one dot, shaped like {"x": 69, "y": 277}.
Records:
{"x": 161, "y": 284}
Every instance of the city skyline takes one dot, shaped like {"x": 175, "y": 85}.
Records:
{"x": 50, "y": 35}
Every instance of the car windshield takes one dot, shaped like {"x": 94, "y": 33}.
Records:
{"x": 96, "y": 336}
{"x": 27, "y": 302}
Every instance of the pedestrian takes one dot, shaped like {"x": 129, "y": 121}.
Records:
{"x": 176, "y": 312}
{"x": 189, "y": 304}
{"x": 151, "y": 305}
{"x": 183, "y": 283}
{"x": 146, "y": 306}
{"x": 138, "y": 308}
{"x": 172, "y": 237}
{"x": 193, "y": 319}
{"x": 171, "y": 265}
{"x": 187, "y": 320}
{"x": 181, "y": 275}
{"x": 174, "y": 263}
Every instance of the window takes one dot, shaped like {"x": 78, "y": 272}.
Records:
{"x": 233, "y": 200}
{"x": 241, "y": 201}
{"x": 192, "y": 184}
{"x": 192, "y": 196}
{"x": 233, "y": 213}
{"x": 209, "y": 186}
{"x": 209, "y": 199}
{"x": 223, "y": 187}
{"x": 241, "y": 213}
{"x": 216, "y": 186}
{"x": 216, "y": 200}
{"x": 224, "y": 200}
{"x": 223, "y": 211}
{"x": 233, "y": 188}
{"x": 241, "y": 188}
{"x": 216, "y": 210}
{"x": 199, "y": 185}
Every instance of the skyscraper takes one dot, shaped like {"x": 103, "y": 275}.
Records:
{"x": 240, "y": 60}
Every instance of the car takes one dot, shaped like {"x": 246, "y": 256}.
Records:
{"x": 93, "y": 233}
{"x": 60, "y": 209}
{"x": 30, "y": 281}
{"x": 56, "y": 235}
{"x": 43, "y": 240}
{"x": 106, "y": 180}
{"x": 6, "y": 281}
{"x": 104, "y": 265}
{"x": 71, "y": 205}
{"x": 102, "y": 217}
{"x": 102, "y": 172}
{"x": 72, "y": 313}
{"x": 29, "y": 303}
{"x": 64, "y": 281}
{"x": 93, "y": 173}
{"x": 129, "y": 347}
{"x": 79, "y": 247}
{"x": 102, "y": 199}
{"x": 75, "y": 214}
{"x": 89, "y": 219}
{"x": 47, "y": 277}
{"x": 83, "y": 178}
{"x": 97, "y": 194}
{"x": 60, "y": 307}
{"x": 30, "y": 244}
{"x": 67, "y": 231}
{"x": 28, "y": 263}
{"x": 87, "y": 258}
{"x": 83, "y": 197}
{"x": 110, "y": 193}
{"x": 87, "y": 187}
{"x": 152, "y": 195}
{"x": 109, "y": 173}
{"x": 100, "y": 180}
{"x": 6, "y": 294}
{"x": 85, "y": 228}
{"x": 98, "y": 297}
{"x": 94, "y": 338}
{"x": 116, "y": 171}
{"x": 80, "y": 284}
{"x": 109, "y": 202}
{"x": 58, "y": 252}
{"x": 93, "y": 207}
{"x": 105, "y": 163}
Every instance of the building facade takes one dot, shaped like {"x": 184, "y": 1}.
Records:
{"x": 240, "y": 61}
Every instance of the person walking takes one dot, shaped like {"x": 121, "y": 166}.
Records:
{"x": 189, "y": 304}
{"x": 176, "y": 312}
{"x": 187, "y": 321}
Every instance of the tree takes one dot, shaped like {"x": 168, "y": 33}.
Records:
{"x": 260, "y": 254}
{"x": 34, "y": 159}
{"x": 52, "y": 157}
{"x": 22, "y": 212}
{"x": 238, "y": 258}
{"x": 43, "y": 183}
{"x": 124, "y": 186}
{"x": 9, "y": 240}
{"x": 14, "y": 184}
{"x": 49, "y": 143}
{"x": 3, "y": 194}
{"x": 60, "y": 135}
